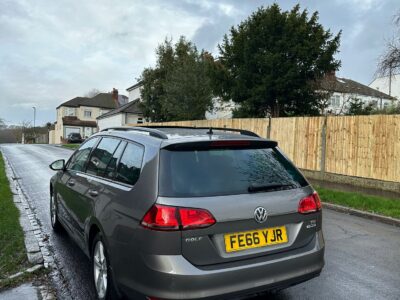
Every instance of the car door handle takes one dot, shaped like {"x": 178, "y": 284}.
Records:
{"x": 71, "y": 183}
{"x": 93, "y": 193}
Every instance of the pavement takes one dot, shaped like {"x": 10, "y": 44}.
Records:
{"x": 362, "y": 256}
{"x": 24, "y": 292}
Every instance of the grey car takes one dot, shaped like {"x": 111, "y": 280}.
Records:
{"x": 74, "y": 137}
{"x": 188, "y": 213}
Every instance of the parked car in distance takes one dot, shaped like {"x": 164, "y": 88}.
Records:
{"x": 188, "y": 213}
{"x": 74, "y": 137}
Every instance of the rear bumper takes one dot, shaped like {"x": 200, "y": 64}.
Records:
{"x": 173, "y": 277}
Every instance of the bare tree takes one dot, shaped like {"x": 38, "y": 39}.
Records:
{"x": 92, "y": 93}
{"x": 2, "y": 123}
{"x": 389, "y": 62}
{"x": 348, "y": 99}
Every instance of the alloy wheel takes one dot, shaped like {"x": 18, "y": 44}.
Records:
{"x": 53, "y": 211}
{"x": 100, "y": 270}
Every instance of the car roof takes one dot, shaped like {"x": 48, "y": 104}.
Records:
{"x": 167, "y": 135}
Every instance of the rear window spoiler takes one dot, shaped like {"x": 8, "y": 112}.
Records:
{"x": 221, "y": 144}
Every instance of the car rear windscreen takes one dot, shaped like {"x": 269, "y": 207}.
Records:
{"x": 212, "y": 172}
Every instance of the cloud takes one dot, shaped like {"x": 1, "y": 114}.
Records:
{"x": 52, "y": 51}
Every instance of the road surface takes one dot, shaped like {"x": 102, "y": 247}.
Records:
{"x": 362, "y": 256}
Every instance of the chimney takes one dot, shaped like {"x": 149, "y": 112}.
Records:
{"x": 115, "y": 97}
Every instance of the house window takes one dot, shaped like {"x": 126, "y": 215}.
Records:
{"x": 335, "y": 101}
{"x": 70, "y": 111}
{"x": 88, "y": 114}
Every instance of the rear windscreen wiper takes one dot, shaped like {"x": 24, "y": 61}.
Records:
{"x": 268, "y": 187}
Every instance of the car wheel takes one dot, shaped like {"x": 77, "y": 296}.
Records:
{"x": 55, "y": 223}
{"x": 102, "y": 277}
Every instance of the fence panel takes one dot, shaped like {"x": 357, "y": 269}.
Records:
{"x": 363, "y": 146}
{"x": 300, "y": 139}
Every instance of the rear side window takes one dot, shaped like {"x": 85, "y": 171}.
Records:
{"x": 196, "y": 173}
{"x": 102, "y": 156}
{"x": 128, "y": 169}
{"x": 80, "y": 157}
{"x": 112, "y": 165}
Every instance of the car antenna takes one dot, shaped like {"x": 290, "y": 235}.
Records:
{"x": 210, "y": 131}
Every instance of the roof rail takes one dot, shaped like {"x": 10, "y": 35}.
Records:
{"x": 151, "y": 131}
{"x": 241, "y": 131}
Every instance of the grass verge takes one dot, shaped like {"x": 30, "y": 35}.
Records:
{"x": 13, "y": 256}
{"x": 378, "y": 205}
{"x": 71, "y": 146}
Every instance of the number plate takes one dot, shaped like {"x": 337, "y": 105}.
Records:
{"x": 255, "y": 239}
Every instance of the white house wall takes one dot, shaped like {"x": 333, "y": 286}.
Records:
{"x": 345, "y": 99}
{"x": 134, "y": 94}
{"x": 382, "y": 84}
{"x": 134, "y": 119}
{"x": 111, "y": 121}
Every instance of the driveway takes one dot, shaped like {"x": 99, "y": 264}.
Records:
{"x": 362, "y": 256}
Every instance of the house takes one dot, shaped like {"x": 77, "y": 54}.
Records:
{"x": 342, "y": 91}
{"x": 129, "y": 113}
{"x": 79, "y": 114}
{"x": 221, "y": 109}
{"x": 134, "y": 91}
{"x": 388, "y": 84}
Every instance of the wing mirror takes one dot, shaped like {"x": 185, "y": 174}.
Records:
{"x": 58, "y": 165}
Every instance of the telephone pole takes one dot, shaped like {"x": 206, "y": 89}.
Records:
{"x": 34, "y": 121}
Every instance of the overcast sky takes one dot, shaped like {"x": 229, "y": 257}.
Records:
{"x": 52, "y": 51}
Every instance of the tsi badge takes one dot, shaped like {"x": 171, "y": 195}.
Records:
{"x": 260, "y": 214}
{"x": 311, "y": 224}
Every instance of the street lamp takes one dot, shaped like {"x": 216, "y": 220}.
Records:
{"x": 34, "y": 120}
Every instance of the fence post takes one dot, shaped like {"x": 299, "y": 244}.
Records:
{"x": 323, "y": 145}
{"x": 269, "y": 128}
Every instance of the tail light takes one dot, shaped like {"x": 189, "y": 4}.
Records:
{"x": 229, "y": 143}
{"x": 310, "y": 204}
{"x": 163, "y": 217}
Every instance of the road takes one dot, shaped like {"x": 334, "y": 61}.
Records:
{"x": 362, "y": 256}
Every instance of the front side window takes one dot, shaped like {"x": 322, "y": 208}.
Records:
{"x": 101, "y": 156}
{"x": 80, "y": 157}
{"x": 128, "y": 170}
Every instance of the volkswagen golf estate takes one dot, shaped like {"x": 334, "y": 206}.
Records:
{"x": 188, "y": 213}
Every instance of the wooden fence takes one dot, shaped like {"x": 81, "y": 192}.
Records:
{"x": 362, "y": 146}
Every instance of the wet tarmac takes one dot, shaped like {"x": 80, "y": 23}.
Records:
{"x": 362, "y": 256}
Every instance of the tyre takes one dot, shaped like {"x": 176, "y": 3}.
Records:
{"x": 55, "y": 223}
{"x": 101, "y": 271}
